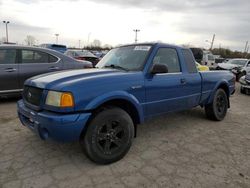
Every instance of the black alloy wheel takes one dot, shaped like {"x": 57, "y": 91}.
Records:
{"x": 217, "y": 110}
{"x": 108, "y": 136}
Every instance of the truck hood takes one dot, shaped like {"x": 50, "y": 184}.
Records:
{"x": 228, "y": 66}
{"x": 58, "y": 80}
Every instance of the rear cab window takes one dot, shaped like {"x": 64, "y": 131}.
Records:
{"x": 189, "y": 60}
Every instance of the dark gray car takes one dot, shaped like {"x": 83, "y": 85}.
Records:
{"x": 18, "y": 63}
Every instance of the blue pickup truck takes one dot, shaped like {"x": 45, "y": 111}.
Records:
{"x": 102, "y": 107}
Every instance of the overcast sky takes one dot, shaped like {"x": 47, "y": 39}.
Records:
{"x": 112, "y": 21}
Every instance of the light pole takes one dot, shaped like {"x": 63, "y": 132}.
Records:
{"x": 212, "y": 42}
{"x": 136, "y": 31}
{"x": 57, "y": 35}
{"x": 6, "y": 25}
{"x": 88, "y": 38}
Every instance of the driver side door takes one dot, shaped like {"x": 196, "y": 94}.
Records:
{"x": 164, "y": 91}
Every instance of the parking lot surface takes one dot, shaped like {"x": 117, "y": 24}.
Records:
{"x": 176, "y": 150}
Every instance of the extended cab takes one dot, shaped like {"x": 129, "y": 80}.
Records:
{"x": 101, "y": 107}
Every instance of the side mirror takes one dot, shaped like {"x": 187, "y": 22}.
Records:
{"x": 159, "y": 68}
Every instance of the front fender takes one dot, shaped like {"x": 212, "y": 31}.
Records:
{"x": 98, "y": 101}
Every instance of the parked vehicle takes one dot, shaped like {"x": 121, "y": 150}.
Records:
{"x": 198, "y": 54}
{"x": 201, "y": 67}
{"x": 208, "y": 60}
{"x": 18, "y": 63}
{"x": 204, "y": 57}
{"x": 57, "y": 47}
{"x": 101, "y": 107}
{"x": 82, "y": 55}
{"x": 245, "y": 84}
{"x": 238, "y": 66}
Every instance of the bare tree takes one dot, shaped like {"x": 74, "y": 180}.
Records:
{"x": 96, "y": 43}
{"x": 30, "y": 40}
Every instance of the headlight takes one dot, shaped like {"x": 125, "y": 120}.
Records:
{"x": 242, "y": 80}
{"x": 60, "y": 99}
{"x": 234, "y": 70}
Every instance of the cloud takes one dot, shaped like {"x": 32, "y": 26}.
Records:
{"x": 193, "y": 20}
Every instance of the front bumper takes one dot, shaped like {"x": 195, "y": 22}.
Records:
{"x": 55, "y": 126}
{"x": 245, "y": 89}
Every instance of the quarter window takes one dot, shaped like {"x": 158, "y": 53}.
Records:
{"x": 189, "y": 60}
{"x": 52, "y": 59}
{"x": 168, "y": 57}
{"x": 7, "y": 56}
{"x": 30, "y": 56}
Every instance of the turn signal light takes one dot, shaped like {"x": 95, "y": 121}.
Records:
{"x": 67, "y": 100}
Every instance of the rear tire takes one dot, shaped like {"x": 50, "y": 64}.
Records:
{"x": 109, "y": 136}
{"x": 217, "y": 110}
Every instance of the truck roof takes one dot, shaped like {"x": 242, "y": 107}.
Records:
{"x": 154, "y": 44}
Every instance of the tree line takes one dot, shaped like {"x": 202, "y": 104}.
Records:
{"x": 227, "y": 53}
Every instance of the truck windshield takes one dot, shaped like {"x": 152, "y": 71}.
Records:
{"x": 129, "y": 58}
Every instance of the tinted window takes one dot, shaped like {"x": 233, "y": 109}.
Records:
{"x": 30, "y": 56}
{"x": 7, "y": 56}
{"x": 169, "y": 57}
{"x": 52, "y": 59}
{"x": 210, "y": 57}
{"x": 189, "y": 60}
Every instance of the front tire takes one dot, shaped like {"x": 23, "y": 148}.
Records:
{"x": 217, "y": 110}
{"x": 109, "y": 136}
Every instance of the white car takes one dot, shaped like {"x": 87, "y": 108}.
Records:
{"x": 239, "y": 67}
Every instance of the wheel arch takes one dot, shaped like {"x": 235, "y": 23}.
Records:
{"x": 123, "y": 100}
{"x": 221, "y": 85}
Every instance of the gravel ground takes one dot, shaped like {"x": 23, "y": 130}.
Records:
{"x": 177, "y": 150}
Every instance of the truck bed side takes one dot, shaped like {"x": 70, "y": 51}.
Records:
{"x": 211, "y": 81}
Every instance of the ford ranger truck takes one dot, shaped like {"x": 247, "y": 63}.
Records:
{"x": 102, "y": 107}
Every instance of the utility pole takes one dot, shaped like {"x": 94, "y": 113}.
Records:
{"x": 245, "y": 49}
{"x": 212, "y": 43}
{"x": 79, "y": 44}
{"x": 57, "y": 35}
{"x": 88, "y": 38}
{"x": 136, "y": 31}
{"x": 6, "y": 26}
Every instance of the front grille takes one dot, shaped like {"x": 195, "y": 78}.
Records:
{"x": 32, "y": 95}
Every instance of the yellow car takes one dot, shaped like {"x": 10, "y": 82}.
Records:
{"x": 201, "y": 67}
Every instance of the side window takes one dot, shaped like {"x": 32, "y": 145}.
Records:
{"x": 168, "y": 57}
{"x": 189, "y": 60}
{"x": 52, "y": 59}
{"x": 7, "y": 56}
{"x": 210, "y": 57}
{"x": 31, "y": 56}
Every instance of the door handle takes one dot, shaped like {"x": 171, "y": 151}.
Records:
{"x": 54, "y": 68}
{"x": 9, "y": 70}
{"x": 183, "y": 81}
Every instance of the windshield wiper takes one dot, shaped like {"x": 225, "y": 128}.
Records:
{"x": 115, "y": 67}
